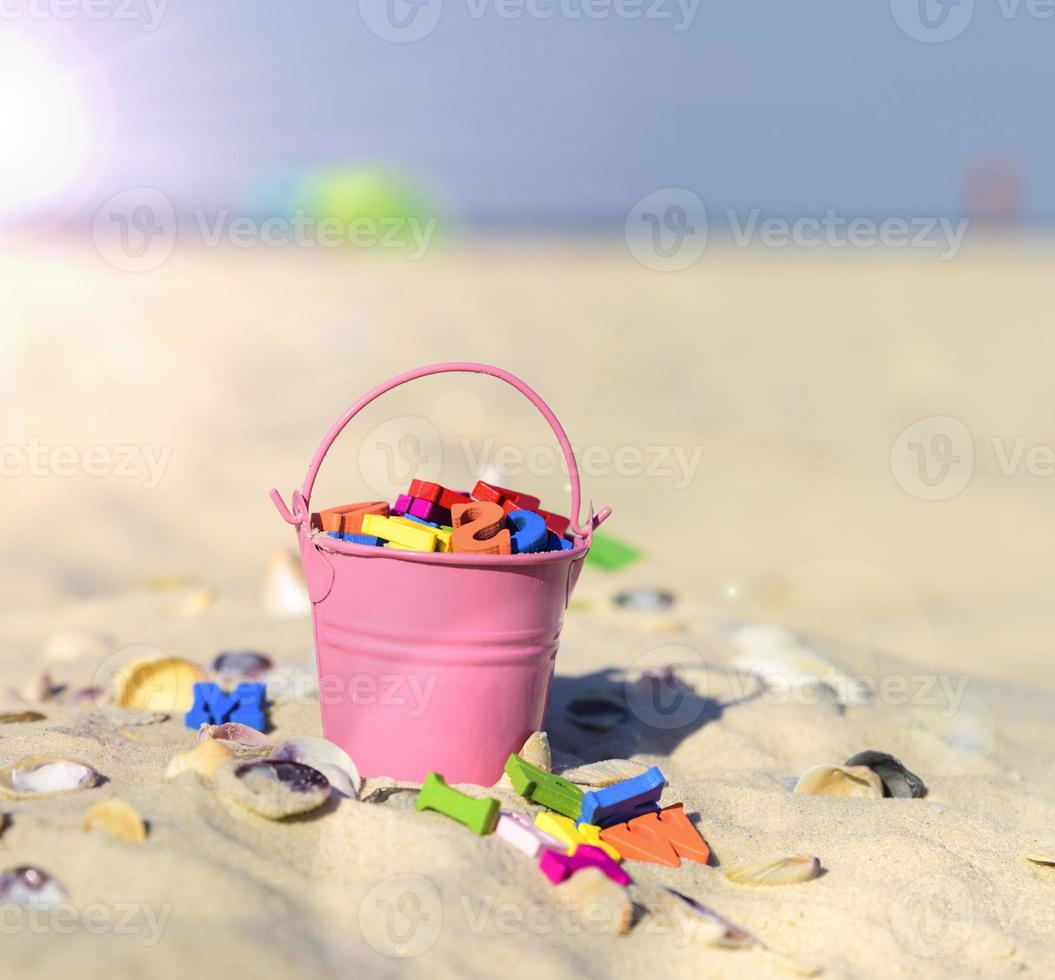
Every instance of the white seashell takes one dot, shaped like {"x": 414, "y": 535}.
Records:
{"x": 535, "y": 750}
{"x": 695, "y": 922}
{"x": 599, "y": 774}
{"x": 38, "y": 689}
{"x": 1042, "y": 855}
{"x": 599, "y": 901}
{"x": 165, "y": 685}
{"x": 325, "y": 757}
{"x": 42, "y": 775}
{"x": 79, "y": 645}
{"x": 786, "y": 871}
{"x": 30, "y": 888}
{"x": 285, "y": 592}
{"x": 857, "y": 781}
{"x": 237, "y": 734}
{"x": 118, "y": 819}
{"x": 780, "y": 657}
{"x": 203, "y": 761}
{"x": 273, "y": 789}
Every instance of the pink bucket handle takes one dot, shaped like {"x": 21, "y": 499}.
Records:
{"x": 301, "y": 498}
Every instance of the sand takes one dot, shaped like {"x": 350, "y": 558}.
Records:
{"x": 792, "y": 376}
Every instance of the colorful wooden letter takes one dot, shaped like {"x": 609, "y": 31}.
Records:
{"x": 623, "y": 801}
{"x": 213, "y": 706}
{"x": 544, "y": 788}
{"x": 518, "y": 831}
{"x": 572, "y": 836}
{"x": 528, "y": 534}
{"x": 661, "y": 838}
{"x": 414, "y": 537}
{"x": 559, "y": 867}
{"x": 479, "y": 529}
{"x": 349, "y": 519}
{"x": 480, "y": 816}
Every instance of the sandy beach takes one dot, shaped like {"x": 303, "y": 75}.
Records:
{"x": 854, "y": 449}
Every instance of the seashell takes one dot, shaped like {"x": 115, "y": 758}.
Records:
{"x": 38, "y": 689}
{"x": 599, "y": 774}
{"x": 697, "y": 922}
{"x": 1042, "y": 855}
{"x": 857, "y": 781}
{"x": 384, "y": 793}
{"x": 273, "y": 789}
{"x": 777, "y": 655}
{"x": 198, "y": 601}
{"x": 599, "y": 901}
{"x": 67, "y": 647}
{"x": 285, "y": 592}
{"x": 325, "y": 757}
{"x": 233, "y": 664}
{"x": 897, "y": 780}
{"x": 166, "y": 684}
{"x": 204, "y": 760}
{"x": 170, "y": 581}
{"x": 598, "y": 713}
{"x": 20, "y": 717}
{"x": 30, "y": 888}
{"x": 43, "y": 776}
{"x": 118, "y": 819}
{"x": 786, "y": 871}
{"x": 645, "y": 600}
{"x": 536, "y": 751}
{"x": 85, "y": 695}
{"x": 237, "y": 734}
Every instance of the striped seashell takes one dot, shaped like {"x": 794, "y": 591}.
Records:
{"x": 785, "y": 871}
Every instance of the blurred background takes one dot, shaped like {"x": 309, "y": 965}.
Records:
{"x": 782, "y": 270}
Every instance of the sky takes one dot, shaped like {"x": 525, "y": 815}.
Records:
{"x": 533, "y": 111}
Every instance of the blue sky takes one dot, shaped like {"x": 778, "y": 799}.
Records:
{"x": 791, "y": 108}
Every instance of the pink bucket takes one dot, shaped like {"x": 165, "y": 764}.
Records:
{"x": 433, "y": 661}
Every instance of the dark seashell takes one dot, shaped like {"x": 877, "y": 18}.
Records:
{"x": 241, "y": 663}
{"x": 20, "y": 717}
{"x": 384, "y": 793}
{"x": 273, "y": 789}
{"x": 897, "y": 780}
{"x": 597, "y": 714}
{"x": 30, "y": 888}
{"x": 645, "y": 600}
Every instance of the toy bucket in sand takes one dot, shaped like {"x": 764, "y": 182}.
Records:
{"x": 435, "y": 661}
